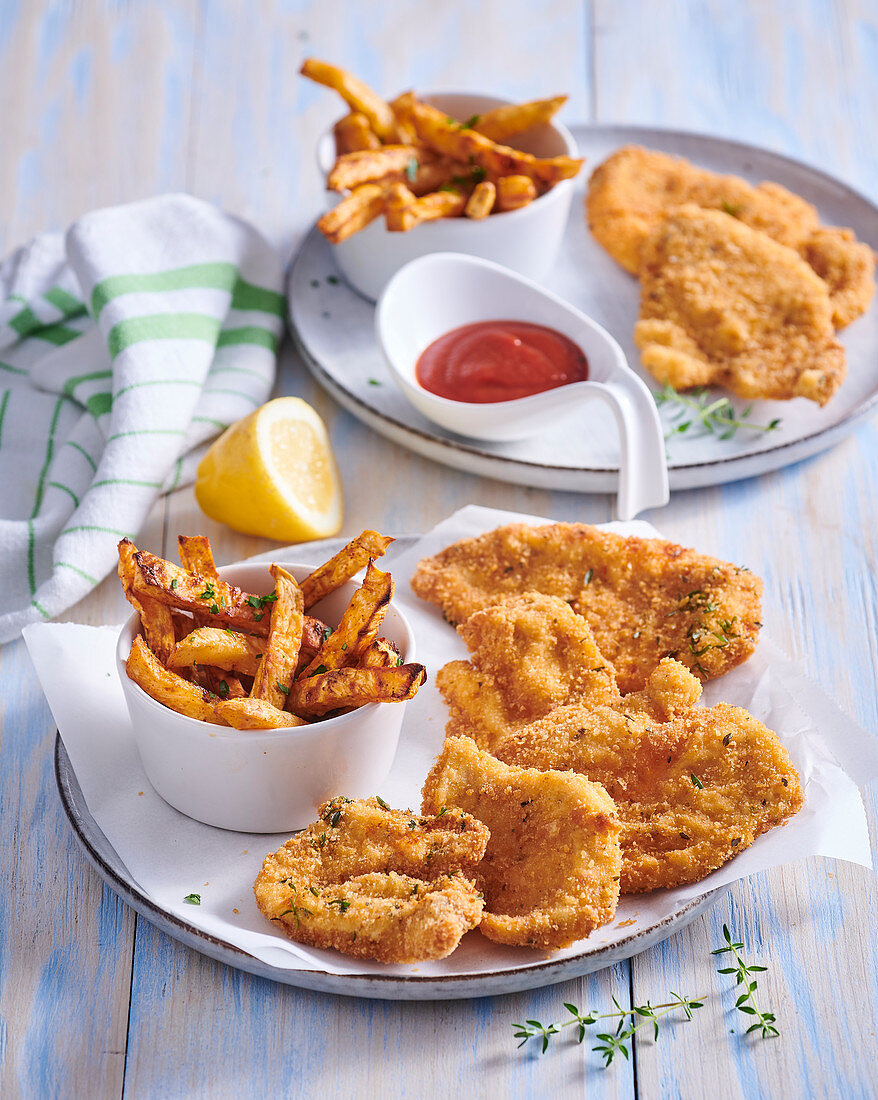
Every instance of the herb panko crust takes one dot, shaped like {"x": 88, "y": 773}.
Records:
{"x": 644, "y": 599}
{"x": 550, "y": 874}
{"x": 691, "y": 792}
{"x": 530, "y": 654}
{"x": 376, "y": 883}
{"x": 722, "y": 304}
{"x": 632, "y": 192}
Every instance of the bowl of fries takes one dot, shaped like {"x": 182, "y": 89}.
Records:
{"x": 256, "y": 693}
{"x": 435, "y": 173}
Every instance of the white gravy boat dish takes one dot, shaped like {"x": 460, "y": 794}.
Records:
{"x": 443, "y": 291}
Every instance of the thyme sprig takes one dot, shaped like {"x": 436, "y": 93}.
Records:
{"x": 714, "y": 415}
{"x": 764, "y": 1021}
{"x": 611, "y": 1043}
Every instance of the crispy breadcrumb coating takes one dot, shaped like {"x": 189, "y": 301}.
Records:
{"x": 376, "y": 883}
{"x": 644, "y": 599}
{"x": 550, "y": 874}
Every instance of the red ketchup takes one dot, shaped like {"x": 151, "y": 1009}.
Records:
{"x": 499, "y": 361}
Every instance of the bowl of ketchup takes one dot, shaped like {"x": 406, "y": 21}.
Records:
{"x": 487, "y": 354}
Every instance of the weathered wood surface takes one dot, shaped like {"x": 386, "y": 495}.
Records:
{"x": 107, "y": 103}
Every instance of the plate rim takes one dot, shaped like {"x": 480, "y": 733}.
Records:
{"x": 769, "y": 459}
{"x": 379, "y": 986}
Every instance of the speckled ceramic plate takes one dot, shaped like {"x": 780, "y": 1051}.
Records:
{"x": 477, "y": 969}
{"x": 334, "y": 329}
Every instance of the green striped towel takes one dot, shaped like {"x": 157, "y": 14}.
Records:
{"x": 125, "y": 346}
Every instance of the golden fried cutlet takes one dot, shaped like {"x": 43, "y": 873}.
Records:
{"x": 635, "y": 189}
{"x": 644, "y": 599}
{"x": 376, "y": 883}
{"x": 529, "y": 654}
{"x": 550, "y": 874}
{"x": 691, "y": 793}
{"x": 721, "y": 304}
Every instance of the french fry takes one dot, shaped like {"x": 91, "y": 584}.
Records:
{"x": 358, "y": 627}
{"x": 342, "y": 566}
{"x": 224, "y": 604}
{"x": 274, "y": 676}
{"x": 353, "y": 687}
{"x": 155, "y": 618}
{"x": 454, "y": 140}
{"x": 353, "y": 213}
{"x": 223, "y": 649}
{"x": 503, "y": 122}
{"x": 368, "y": 165}
{"x": 382, "y": 653}
{"x": 167, "y": 687}
{"x": 481, "y": 201}
{"x": 404, "y": 121}
{"x": 358, "y": 95}
{"x": 448, "y": 203}
{"x": 398, "y": 203}
{"x": 255, "y": 714}
{"x": 353, "y": 133}
{"x": 196, "y": 555}
{"x": 513, "y": 192}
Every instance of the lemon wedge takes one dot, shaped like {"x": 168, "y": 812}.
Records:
{"x": 273, "y": 474}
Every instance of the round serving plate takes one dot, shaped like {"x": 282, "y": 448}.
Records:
{"x": 458, "y": 982}
{"x": 333, "y": 327}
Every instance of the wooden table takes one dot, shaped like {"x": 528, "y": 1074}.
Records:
{"x": 107, "y": 103}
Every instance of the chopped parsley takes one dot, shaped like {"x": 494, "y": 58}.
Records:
{"x": 223, "y": 689}
{"x": 381, "y": 802}
{"x": 374, "y": 382}
{"x": 174, "y": 583}
{"x": 588, "y": 576}
{"x": 343, "y": 905}
{"x": 282, "y": 687}
{"x": 472, "y": 121}
{"x": 193, "y": 899}
{"x": 696, "y": 782}
{"x": 332, "y": 280}
{"x": 411, "y": 169}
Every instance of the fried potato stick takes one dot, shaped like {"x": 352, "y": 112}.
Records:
{"x": 368, "y": 165}
{"x": 155, "y": 618}
{"x": 255, "y": 714}
{"x": 354, "y": 687}
{"x": 481, "y": 201}
{"x": 454, "y": 140}
{"x": 550, "y": 873}
{"x": 376, "y": 883}
{"x": 167, "y": 687}
{"x": 274, "y": 677}
{"x": 357, "y": 94}
{"x": 502, "y": 122}
{"x": 353, "y": 213}
{"x": 382, "y": 653}
{"x": 352, "y": 133}
{"x": 359, "y": 625}
{"x": 224, "y": 649}
{"x": 513, "y": 192}
{"x": 343, "y": 565}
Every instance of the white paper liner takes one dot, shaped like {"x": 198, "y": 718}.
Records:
{"x": 169, "y": 855}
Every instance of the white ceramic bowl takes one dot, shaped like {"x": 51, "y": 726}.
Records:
{"x": 435, "y": 294}
{"x": 526, "y": 240}
{"x": 265, "y": 781}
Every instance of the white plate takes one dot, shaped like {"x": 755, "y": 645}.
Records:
{"x": 478, "y": 968}
{"x": 334, "y": 329}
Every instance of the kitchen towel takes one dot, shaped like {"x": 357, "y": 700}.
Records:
{"x": 126, "y": 344}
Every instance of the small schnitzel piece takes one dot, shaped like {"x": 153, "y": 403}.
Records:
{"x": 530, "y": 654}
{"x": 691, "y": 793}
{"x": 550, "y": 874}
{"x": 376, "y": 883}
{"x": 644, "y": 599}
{"x": 635, "y": 189}
{"x": 721, "y": 304}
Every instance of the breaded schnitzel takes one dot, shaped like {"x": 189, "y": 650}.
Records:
{"x": 550, "y": 874}
{"x": 644, "y": 599}
{"x": 635, "y": 189}
{"x": 723, "y": 304}
{"x": 530, "y": 654}
{"x": 691, "y": 793}
{"x": 376, "y": 883}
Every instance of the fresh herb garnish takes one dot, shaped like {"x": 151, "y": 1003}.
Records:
{"x": 398, "y": 661}
{"x": 174, "y": 583}
{"x": 444, "y": 810}
{"x": 764, "y": 1021}
{"x": 209, "y": 592}
{"x": 450, "y": 187}
{"x": 411, "y": 169}
{"x": 282, "y": 687}
{"x": 381, "y": 802}
{"x": 332, "y": 280}
{"x": 327, "y": 630}
{"x": 732, "y": 208}
{"x": 588, "y": 576}
{"x": 193, "y": 899}
{"x": 611, "y": 1043}
{"x": 714, "y": 415}
{"x": 374, "y": 382}
{"x": 314, "y": 891}
{"x": 335, "y": 818}
{"x": 223, "y": 689}
{"x": 343, "y": 905}
{"x": 318, "y": 670}
{"x": 472, "y": 121}
{"x": 696, "y": 782}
